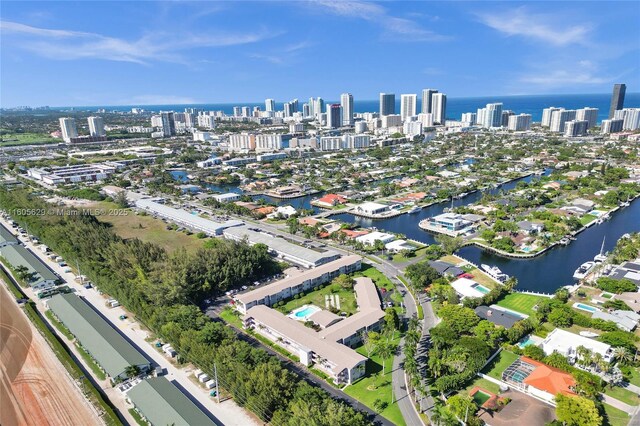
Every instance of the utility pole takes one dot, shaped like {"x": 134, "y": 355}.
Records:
{"x": 215, "y": 373}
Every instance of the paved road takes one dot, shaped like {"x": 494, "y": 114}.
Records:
{"x": 227, "y": 412}
{"x": 619, "y": 404}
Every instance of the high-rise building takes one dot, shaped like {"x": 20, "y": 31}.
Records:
{"x": 246, "y": 111}
{"x": 96, "y": 126}
{"x": 588, "y": 114}
{"x": 294, "y": 105}
{"x": 387, "y": 104}
{"x": 269, "y": 105}
{"x": 237, "y": 111}
{"x": 408, "y": 104}
{"x": 573, "y": 128}
{"x": 334, "y": 116}
{"x": 156, "y": 121}
{"x": 427, "y": 102}
{"x": 426, "y": 118}
{"x": 519, "y": 123}
{"x": 493, "y": 115}
{"x": 391, "y": 120}
{"x": 68, "y": 129}
{"x": 288, "y": 109}
{"x": 505, "y": 117}
{"x": 631, "y": 118}
{"x": 617, "y": 98}
{"x": 319, "y": 107}
{"x": 611, "y": 126}
{"x": 346, "y": 101}
{"x": 207, "y": 121}
{"x": 559, "y": 118}
{"x": 468, "y": 118}
{"x": 439, "y": 107}
{"x": 306, "y": 111}
{"x": 168, "y": 124}
{"x": 480, "y": 116}
{"x": 546, "y": 115}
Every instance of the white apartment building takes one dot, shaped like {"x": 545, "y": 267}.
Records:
{"x": 611, "y": 126}
{"x": 426, "y": 118}
{"x": 588, "y": 114}
{"x": 391, "y": 120}
{"x": 412, "y": 128}
{"x": 575, "y": 128}
{"x": 546, "y": 115}
{"x": 559, "y": 118}
{"x": 408, "y": 105}
{"x": 207, "y": 121}
{"x": 68, "y": 129}
{"x": 439, "y": 107}
{"x": 346, "y": 101}
{"x": 96, "y": 126}
{"x": 242, "y": 142}
{"x": 468, "y": 118}
{"x": 520, "y": 123}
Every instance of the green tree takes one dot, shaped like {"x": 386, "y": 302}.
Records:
{"x": 344, "y": 281}
{"x": 385, "y": 350}
{"x": 449, "y": 244}
{"x": 391, "y": 319}
{"x": 293, "y": 225}
{"x": 577, "y": 411}
{"x": 462, "y": 406}
{"x": 132, "y": 371}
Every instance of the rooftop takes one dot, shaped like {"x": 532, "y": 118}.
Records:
{"x": 19, "y": 255}
{"x": 162, "y": 403}
{"x": 498, "y": 317}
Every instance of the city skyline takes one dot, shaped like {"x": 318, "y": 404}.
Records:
{"x": 240, "y": 52}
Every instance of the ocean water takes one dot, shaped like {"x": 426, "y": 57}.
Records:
{"x": 528, "y": 104}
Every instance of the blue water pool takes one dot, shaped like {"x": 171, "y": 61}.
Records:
{"x": 304, "y": 312}
{"x": 481, "y": 289}
{"x": 585, "y": 307}
{"x": 526, "y": 343}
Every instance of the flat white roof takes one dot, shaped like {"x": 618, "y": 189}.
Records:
{"x": 464, "y": 286}
{"x": 562, "y": 341}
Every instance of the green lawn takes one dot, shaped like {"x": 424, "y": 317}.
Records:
{"x": 27, "y": 138}
{"x": 231, "y": 316}
{"x": 378, "y": 277}
{"x": 519, "y": 302}
{"x": 374, "y": 386}
{"x": 347, "y": 299}
{"x": 622, "y": 394}
{"x": 483, "y": 279}
{"x": 484, "y": 384}
{"x": 137, "y": 417}
{"x": 587, "y": 218}
{"x": 499, "y": 364}
{"x": 399, "y": 258}
{"x": 635, "y": 376}
{"x": 615, "y": 417}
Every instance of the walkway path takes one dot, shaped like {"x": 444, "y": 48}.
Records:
{"x": 633, "y": 388}
{"x": 619, "y": 404}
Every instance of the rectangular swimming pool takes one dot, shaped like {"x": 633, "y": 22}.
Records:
{"x": 584, "y": 307}
{"x": 482, "y": 289}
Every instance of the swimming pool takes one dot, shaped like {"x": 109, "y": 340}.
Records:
{"x": 304, "y": 312}
{"x": 481, "y": 289}
{"x": 584, "y": 307}
{"x": 527, "y": 342}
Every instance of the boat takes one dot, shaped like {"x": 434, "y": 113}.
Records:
{"x": 583, "y": 270}
{"x": 495, "y": 272}
{"x": 601, "y": 257}
{"x": 538, "y": 172}
{"x": 590, "y": 334}
{"x": 564, "y": 241}
{"x": 414, "y": 209}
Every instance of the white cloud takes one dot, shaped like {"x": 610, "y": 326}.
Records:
{"x": 393, "y": 26}
{"x": 562, "y": 77}
{"x": 68, "y": 45}
{"x": 548, "y": 28}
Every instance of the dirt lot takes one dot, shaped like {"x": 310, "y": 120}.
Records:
{"x": 34, "y": 387}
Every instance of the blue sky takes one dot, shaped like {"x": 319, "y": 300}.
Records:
{"x": 114, "y": 53}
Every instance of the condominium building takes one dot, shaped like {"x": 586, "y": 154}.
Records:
{"x": 346, "y": 102}
{"x": 546, "y": 115}
{"x": 617, "y": 99}
{"x": 96, "y": 126}
{"x": 207, "y": 121}
{"x": 559, "y": 118}
{"x": 519, "y": 123}
{"x": 68, "y": 129}
{"x": 439, "y": 107}
{"x": 269, "y": 105}
{"x": 387, "y": 104}
{"x": 242, "y": 142}
{"x": 271, "y": 141}
{"x": 493, "y": 115}
{"x": 427, "y": 102}
{"x": 611, "y": 126}
{"x": 468, "y": 118}
{"x": 630, "y": 117}
{"x": 334, "y": 116}
{"x": 168, "y": 124}
{"x": 588, "y": 114}
{"x": 504, "y": 122}
{"x": 426, "y": 118}
{"x": 391, "y": 120}
{"x": 408, "y": 104}
{"x": 575, "y": 128}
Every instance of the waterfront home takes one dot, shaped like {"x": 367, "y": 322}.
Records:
{"x": 625, "y": 320}
{"x": 397, "y": 246}
{"x": 371, "y": 238}
{"x": 451, "y": 222}
{"x": 566, "y": 344}
{"x": 330, "y": 200}
{"x": 446, "y": 268}
{"x": 584, "y": 204}
{"x": 466, "y": 287}
{"x": 530, "y": 227}
{"x": 499, "y": 317}
{"x": 538, "y": 379}
{"x": 371, "y": 208}
{"x": 283, "y": 211}
{"x": 229, "y": 197}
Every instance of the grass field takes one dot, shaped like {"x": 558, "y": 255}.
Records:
{"x": 27, "y": 139}
{"x": 635, "y": 376}
{"x": 499, "y": 364}
{"x": 622, "y": 394}
{"x": 57, "y": 324}
{"x": 347, "y": 299}
{"x": 378, "y": 277}
{"x": 518, "y": 302}
{"x": 230, "y": 316}
{"x": 615, "y": 417}
{"x": 374, "y": 386}
{"x": 484, "y": 384}
{"x": 483, "y": 279}
{"x": 587, "y": 218}
{"x": 147, "y": 228}
{"x": 137, "y": 417}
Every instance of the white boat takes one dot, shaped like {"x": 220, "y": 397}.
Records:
{"x": 414, "y": 209}
{"x": 601, "y": 257}
{"x": 583, "y": 270}
{"x": 588, "y": 334}
{"x": 495, "y": 272}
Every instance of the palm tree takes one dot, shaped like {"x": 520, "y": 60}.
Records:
{"x": 385, "y": 350}
{"x": 132, "y": 371}
{"x": 622, "y": 354}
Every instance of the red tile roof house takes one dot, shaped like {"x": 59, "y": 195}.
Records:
{"x": 330, "y": 200}
{"x": 353, "y": 234}
{"x": 538, "y": 379}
